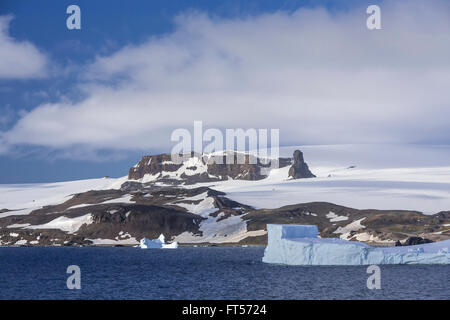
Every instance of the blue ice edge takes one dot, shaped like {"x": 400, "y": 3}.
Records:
{"x": 300, "y": 245}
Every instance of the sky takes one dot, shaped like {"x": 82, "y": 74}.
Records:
{"x": 88, "y": 103}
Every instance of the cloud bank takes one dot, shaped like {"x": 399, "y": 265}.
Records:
{"x": 320, "y": 78}
{"x": 19, "y": 59}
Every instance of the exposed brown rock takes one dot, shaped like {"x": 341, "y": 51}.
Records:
{"x": 217, "y": 170}
{"x": 162, "y": 209}
{"x": 299, "y": 169}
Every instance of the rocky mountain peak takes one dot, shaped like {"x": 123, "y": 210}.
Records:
{"x": 300, "y": 169}
{"x": 199, "y": 168}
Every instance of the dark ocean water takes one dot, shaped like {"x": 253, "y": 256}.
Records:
{"x": 201, "y": 273}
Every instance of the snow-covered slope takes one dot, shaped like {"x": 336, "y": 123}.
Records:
{"x": 355, "y": 176}
{"x": 24, "y": 198}
{"x": 359, "y": 176}
{"x": 215, "y": 228}
{"x": 411, "y": 177}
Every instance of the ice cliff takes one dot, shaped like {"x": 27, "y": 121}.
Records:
{"x": 300, "y": 245}
{"x": 159, "y": 243}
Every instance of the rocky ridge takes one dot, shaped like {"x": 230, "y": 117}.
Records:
{"x": 202, "y": 215}
{"x": 197, "y": 168}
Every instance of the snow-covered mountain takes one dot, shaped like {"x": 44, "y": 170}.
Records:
{"x": 368, "y": 193}
{"x": 211, "y": 167}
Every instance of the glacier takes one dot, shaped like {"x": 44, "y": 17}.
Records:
{"x": 159, "y": 243}
{"x": 301, "y": 245}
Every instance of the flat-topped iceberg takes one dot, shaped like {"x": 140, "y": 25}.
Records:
{"x": 300, "y": 245}
{"x": 159, "y": 243}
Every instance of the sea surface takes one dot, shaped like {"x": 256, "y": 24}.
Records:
{"x": 201, "y": 273}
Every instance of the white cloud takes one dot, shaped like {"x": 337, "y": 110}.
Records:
{"x": 3, "y": 146}
{"x": 320, "y": 78}
{"x": 19, "y": 59}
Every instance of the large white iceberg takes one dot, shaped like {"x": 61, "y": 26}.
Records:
{"x": 159, "y": 243}
{"x": 300, "y": 245}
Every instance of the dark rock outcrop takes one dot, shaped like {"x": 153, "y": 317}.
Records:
{"x": 153, "y": 165}
{"x": 412, "y": 241}
{"x": 300, "y": 169}
{"x": 201, "y": 168}
{"x": 249, "y": 170}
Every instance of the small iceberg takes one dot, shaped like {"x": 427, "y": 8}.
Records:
{"x": 159, "y": 243}
{"x": 300, "y": 245}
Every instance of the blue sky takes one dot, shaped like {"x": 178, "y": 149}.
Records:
{"x": 83, "y": 111}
